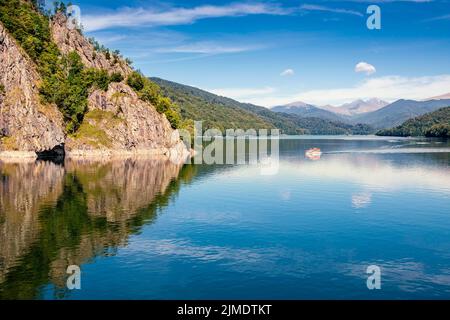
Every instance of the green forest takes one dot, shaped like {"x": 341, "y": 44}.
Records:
{"x": 433, "y": 124}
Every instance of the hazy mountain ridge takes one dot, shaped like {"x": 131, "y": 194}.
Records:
{"x": 383, "y": 114}
{"x": 356, "y": 107}
{"x": 441, "y": 97}
{"x": 308, "y": 110}
{"x": 399, "y": 111}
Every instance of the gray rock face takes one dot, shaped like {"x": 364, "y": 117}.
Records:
{"x": 121, "y": 122}
{"x": 69, "y": 40}
{"x": 117, "y": 121}
{"x": 26, "y": 125}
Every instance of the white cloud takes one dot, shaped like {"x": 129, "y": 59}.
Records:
{"x": 313, "y": 7}
{"x": 365, "y": 67}
{"x": 287, "y": 72}
{"x": 242, "y": 93}
{"x": 131, "y": 17}
{"x": 389, "y": 88}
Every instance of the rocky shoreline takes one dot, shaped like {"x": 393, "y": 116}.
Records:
{"x": 176, "y": 154}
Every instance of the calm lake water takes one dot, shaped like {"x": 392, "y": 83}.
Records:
{"x": 149, "y": 229}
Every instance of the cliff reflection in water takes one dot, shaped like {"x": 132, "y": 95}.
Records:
{"x": 53, "y": 216}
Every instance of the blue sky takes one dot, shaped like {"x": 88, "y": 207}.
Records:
{"x": 276, "y": 52}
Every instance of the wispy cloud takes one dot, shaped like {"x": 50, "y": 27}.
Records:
{"x": 209, "y": 48}
{"x": 365, "y": 67}
{"x": 444, "y": 17}
{"x": 243, "y": 93}
{"x": 389, "y": 88}
{"x": 132, "y": 17}
{"x": 287, "y": 72}
{"x": 313, "y": 7}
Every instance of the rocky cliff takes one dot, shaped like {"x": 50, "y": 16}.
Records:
{"x": 69, "y": 40}
{"x": 26, "y": 125}
{"x": 117, "y": 121}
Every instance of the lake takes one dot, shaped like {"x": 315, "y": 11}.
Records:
{"x": 152, "y": 229}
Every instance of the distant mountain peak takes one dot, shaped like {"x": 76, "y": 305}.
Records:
{"x": 298, "y": 104}
{"x": 357, "y": 107}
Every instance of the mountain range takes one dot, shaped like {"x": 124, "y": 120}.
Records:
{"x": 308, "y": 110}
{"x": 374, "y": 112}
{"x": 358, "y": 117}
{"x": 399, "y": 111}
{"x": 357, "y": 107}
{"x": 222, "y": 112}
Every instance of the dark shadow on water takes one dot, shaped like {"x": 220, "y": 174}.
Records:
{"x": 55, "y": 155}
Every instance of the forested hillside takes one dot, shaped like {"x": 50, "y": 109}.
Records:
{"x": 197, "y": 105}
{"x": 433, "y": 124}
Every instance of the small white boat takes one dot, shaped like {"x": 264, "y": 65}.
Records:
{"x": 313, "y": 154}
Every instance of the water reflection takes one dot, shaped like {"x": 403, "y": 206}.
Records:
{"x": 160, "y": 229}
{"x": 53, "y": 216}
{"x": 24, "y": 189}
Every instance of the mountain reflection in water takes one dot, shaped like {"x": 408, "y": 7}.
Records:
{"x": 55, "y": 216}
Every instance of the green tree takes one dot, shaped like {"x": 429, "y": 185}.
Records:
{"x": 136, "y": 81}
{"x": 116, "y": 77}
{"x": 439, "y": 130}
